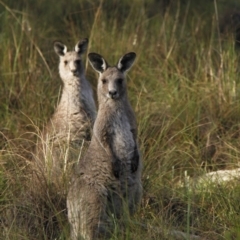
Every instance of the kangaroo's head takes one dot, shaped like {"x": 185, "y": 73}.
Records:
{"x": 112, "y": 80}
{"x": 70, "y": 64}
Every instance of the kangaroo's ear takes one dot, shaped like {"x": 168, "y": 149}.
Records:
{"x": 126, "y": 61}
{"x": 98, "y": 62}
{"x": 81, "y": 46}
{"x": 59, "y": 48}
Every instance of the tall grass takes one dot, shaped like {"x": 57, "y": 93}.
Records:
{"x": 184, "y": 89}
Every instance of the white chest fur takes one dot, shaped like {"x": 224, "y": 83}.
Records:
{"x": 123, "y": 142}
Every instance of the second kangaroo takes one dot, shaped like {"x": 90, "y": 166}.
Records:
{"x": 110, "y": 173}
{"x": 74, "y": 116}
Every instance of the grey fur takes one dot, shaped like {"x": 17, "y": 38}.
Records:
{"x": 74, "y": 116}
{"x": 110, "y": 173}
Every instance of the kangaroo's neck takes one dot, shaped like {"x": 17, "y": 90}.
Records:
{"x": 111, "y": 105}
{"x": 111, "y": 110}
{"x": 71, "y": 101}
{"x": 112, "y": 116}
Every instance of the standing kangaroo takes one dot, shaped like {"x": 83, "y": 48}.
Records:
{"x": 74, "y": 116}
{"x": 110, "y": 173}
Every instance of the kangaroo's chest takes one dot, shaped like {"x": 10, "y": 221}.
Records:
{"x": 123, "y": 142}
{"x": 70, "y": 126}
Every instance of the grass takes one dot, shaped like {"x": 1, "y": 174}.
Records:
{"x": 184, "y": 89}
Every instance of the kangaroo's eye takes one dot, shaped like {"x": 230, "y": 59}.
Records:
{"x": 104, "y": 81}
{"x": 119, "y": 80}
{"x": 65, "y": 62}
{"x": 78, "y": 62}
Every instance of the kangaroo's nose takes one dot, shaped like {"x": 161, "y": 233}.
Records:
{"x": 112, "y": 93}
{"x": 74, "y": 71}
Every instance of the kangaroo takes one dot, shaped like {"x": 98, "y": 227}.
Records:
{"x": 109, "y": 175}
{"x": 74, "y": 116}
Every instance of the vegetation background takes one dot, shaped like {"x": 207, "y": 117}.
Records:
{"x": 184, "y": 89}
